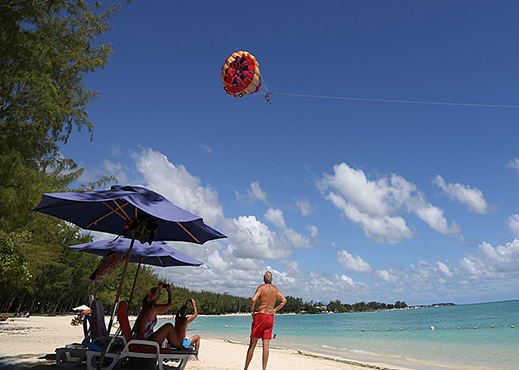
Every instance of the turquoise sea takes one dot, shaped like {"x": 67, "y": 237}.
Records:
{"x": 476, "y": 336}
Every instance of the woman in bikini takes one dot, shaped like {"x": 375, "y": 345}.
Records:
{"x": 181, "y": 322}
{"x": 143, "y": 327}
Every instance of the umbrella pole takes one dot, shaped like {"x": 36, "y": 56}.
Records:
{"x": 135, "y": 280}
{"x": 105, "y": 345}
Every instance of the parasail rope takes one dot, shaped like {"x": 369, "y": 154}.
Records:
{"x": 397, "y": 101}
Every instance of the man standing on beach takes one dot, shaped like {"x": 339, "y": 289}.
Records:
{"x": 263, "y": 318}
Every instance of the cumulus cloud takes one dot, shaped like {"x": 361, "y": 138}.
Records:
{"x": 276, "y": 217}
{"x": 493, "y": 262}
{"x": 353, "y": 263}
{"x": 389, "y": 276}
{"x": 237, "y": 264}
{"x": 296, "y": 239}
{"x": 376, "y": 205}
{"x": 179, "y": 186}
{"x": 471, "y": 197}
{"x": 251, "y": 238}
{"x": 513, "y": 225}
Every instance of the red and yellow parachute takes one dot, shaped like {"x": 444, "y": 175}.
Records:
{"x": 241, "y": 75}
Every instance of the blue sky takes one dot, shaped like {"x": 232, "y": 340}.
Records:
{"x": 342, "y": 199}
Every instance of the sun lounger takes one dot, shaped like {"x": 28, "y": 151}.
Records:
{"x": 138, "y": 349}
{"x": 94, "y": 330}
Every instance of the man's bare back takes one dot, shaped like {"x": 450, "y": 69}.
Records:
{"x": 267, "y": 295}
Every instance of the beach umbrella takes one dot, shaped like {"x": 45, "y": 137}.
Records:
{"x": 135, "y": 210}
{"x": 110, "y": 210}
{"x": 156, "y": 254}
{"x": 83, "y": 307}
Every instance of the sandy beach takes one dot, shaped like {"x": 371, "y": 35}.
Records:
{"x": 31, "y": 343}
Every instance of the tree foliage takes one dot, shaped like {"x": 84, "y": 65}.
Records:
{"x": 46, "y": 48}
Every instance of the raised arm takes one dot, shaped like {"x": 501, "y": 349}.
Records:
{"x": 195, "y": 312}
{"x": 163, "y": 308}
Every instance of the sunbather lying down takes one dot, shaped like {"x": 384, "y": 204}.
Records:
{"x": 143, "y": 327}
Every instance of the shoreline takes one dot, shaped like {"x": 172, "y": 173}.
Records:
{"x": 31, "y": 342}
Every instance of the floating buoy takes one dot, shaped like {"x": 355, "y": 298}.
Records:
{"x": 492, "y": 326}
{"x": 339, "y": 330}
{"x": 415, "y": 328}
{"x": 311, "y": 329}
{"x": 432, "y": 327}
{"x": 512, "y": 326}
{"x": 401, "y": 329}
{"x": 362, "y": 329}
{"x": 387, "y": 329}
{"x": 445, "y": 328}
{"x": 475, "y": 327}
{"x": 459, "y": 328}
{"x": 330, "y": 329}
{"x": 374, "y": 329}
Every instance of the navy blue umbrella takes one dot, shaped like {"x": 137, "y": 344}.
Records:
{"x": 109, "y": 211}
{"x": 137, "y": 210}
{"x": 156, "y": 254}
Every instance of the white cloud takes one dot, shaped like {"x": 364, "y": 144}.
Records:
{"x": 353, "y": 263}
{"x": 392, "y": 229}
{"x": 206, "y": 148}
{"x": 296, "y": 239}
{"x": 179, "y": 186}
{"x": 305, "y": 207}
{"x": 276, "y": 217}
{"x": 389, "y": 276}
{"x": 254, "y": 193}
{"x": 116, "y": 150}
{"x": 514, "y": 164}
{"x": 433, "y": 216}
{"x": 237, "y": 264}
{"x": 471, "y": 197}
{"x": 251, "y": 238}
{"x": 376, "y": 206}
{"x": 314, "y": 231}
{"x": 513, "y": 225}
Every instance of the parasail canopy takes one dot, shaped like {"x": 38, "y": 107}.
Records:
{"x": 241, "y": 75}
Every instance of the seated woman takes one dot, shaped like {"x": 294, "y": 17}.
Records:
{"x": 181, "y": 322}
{"x": 143, "y": 327}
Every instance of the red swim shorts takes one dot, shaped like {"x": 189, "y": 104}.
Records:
{"x": 262, "y": 326}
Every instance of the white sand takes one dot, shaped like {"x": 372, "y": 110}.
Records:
{"x": 32, "y": 342}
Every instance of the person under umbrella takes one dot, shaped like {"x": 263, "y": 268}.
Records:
{"x": 147, "y": 319}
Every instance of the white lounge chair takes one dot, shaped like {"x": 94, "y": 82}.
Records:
{"x": 138, "y": 348}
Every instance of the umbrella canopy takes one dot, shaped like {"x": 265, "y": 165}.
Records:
{"x": 110, "y": 210}
{"x": 83, "y": 307}
{"x": 156, "y": 254}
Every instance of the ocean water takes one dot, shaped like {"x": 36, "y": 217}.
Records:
{"x": 476, "y": 336}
